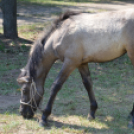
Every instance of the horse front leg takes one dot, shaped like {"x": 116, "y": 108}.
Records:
{"x": 66, "y": 70}
{"x": 85, "y": 74}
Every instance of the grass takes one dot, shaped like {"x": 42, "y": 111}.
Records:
{"x": 51, "y": 3}
{"x": 112, "y": 83}
{"x": 66, "y": 2}
{"x": 31, "y": 31}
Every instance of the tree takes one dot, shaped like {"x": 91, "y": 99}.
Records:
{"x": 9, "y": 10}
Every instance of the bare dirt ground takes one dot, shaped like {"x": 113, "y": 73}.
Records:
{"x": 32, "y": 14}
{"x": 9, "y": 101}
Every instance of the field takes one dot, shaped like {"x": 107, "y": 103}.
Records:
{"x": 113, "y": 84}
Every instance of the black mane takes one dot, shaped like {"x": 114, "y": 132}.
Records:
{"x": 38, "y": 47}
{"x": 57, "y": 23}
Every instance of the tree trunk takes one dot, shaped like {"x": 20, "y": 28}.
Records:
{"x": 9, "y": 9}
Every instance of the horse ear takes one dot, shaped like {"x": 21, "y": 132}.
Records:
{"x": 25, "y": 79}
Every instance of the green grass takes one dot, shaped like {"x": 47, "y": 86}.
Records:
{"x": 48, "y": 2}
{"x": 113, "y": 82}
{"x": 66, "y": 2}
{"x": 31, "y": 31}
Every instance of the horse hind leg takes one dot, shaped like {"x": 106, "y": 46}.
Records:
{"x": 130, "y": 52}
{"x": 85, "y": 74}
{"x": 66, "y": 70}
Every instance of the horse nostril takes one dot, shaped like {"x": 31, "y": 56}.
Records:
{"x": 26, "y": 112}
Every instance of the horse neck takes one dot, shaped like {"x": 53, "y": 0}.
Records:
{"x": 43, "y": 68}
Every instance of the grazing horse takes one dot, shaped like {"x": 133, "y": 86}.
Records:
{"x": 76, "y": 39}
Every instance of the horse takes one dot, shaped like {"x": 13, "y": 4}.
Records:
{"x": 76, "y": 39}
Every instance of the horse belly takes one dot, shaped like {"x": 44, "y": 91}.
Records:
{"x": 102, "y": 56}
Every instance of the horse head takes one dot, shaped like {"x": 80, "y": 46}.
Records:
{"x": 30, "y": 97}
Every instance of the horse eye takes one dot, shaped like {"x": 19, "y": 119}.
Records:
{"x": 24, "y": 91}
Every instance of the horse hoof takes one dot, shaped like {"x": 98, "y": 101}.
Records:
{"x": 90, "y": 117}
{"x": 43, "y": 123}
{"x": 130, "y": 124}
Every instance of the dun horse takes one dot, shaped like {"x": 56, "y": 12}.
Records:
{"x": 76, "y": 39}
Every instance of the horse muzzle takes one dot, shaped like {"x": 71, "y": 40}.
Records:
{"x": 26, "y": 112}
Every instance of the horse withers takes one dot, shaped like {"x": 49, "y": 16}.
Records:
{"x": 76, "y": 39}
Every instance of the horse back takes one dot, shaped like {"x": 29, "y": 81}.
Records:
{"x": 96, "y": 37}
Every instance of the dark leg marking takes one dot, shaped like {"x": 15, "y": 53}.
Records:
{"x": 85, "y": 74}
{"x": 63, "y": 75}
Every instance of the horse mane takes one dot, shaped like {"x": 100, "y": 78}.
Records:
{"x": 57, "y": 23}
{"x": 37, "y": 49}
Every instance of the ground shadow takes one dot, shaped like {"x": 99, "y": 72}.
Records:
{"x": 22, "y": 40}
{"x": 14, "y": 45}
